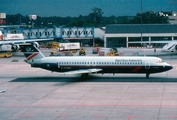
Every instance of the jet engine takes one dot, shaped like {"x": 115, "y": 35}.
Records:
{"x": 176, "y": 47}
{"x": 36, "y": 44}
{"x": 15, "y": 47}
{"x": 170, "y": 47}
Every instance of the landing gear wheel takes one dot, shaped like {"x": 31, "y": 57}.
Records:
{"x": 147, "y": 75}
{"x": 84, "y": 76}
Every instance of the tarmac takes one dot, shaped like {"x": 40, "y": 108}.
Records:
{"x": 36, "y": 94}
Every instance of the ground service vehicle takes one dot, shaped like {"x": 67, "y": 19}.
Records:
{"x": 69, "y": 46}
{"x": 53, "y": 45}
{"x": 82, "y": 52}
{"x": 95, "y": 50}
{"x": 5, "y": 54}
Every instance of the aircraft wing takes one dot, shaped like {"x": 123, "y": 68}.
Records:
{"x": 153, "y": 41}
{"x": 81, "y": 71}
{"x": 23, "y": 41}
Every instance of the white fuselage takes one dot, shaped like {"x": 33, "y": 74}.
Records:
{"x": 108, "y": 64}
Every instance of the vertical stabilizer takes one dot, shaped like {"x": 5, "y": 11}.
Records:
{"x": 1, "y": 36}
{"x": 31, "y": 52}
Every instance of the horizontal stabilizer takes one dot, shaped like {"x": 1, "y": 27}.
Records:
{"x": 81, "y": 71}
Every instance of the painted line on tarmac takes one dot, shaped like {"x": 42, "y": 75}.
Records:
{"x": 45, "y": 105}
{"x": 131, "y": 117}
{"x": 14, "y": 105}
{"x": 26, "y": 115}
{"x": 122, "y": 105}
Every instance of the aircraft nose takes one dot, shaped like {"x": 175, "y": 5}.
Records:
{"x": 169, "y": 67}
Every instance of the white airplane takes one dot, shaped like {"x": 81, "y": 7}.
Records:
{"x": 96, "y": 64}
{"x": 12, "y": 42}
{"x": 171, "y": 46}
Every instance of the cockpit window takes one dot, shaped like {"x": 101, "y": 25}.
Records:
{"x": 159, "y": 61}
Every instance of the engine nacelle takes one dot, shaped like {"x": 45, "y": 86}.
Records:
{"x": 36, "y": 44}
{"x": 176, "y": 47}
{"x": 15, "y": 47}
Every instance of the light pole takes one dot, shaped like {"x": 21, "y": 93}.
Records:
{"x": 141, "y": 21}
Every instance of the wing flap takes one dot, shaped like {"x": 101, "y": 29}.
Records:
{"x": 81, "y": 71}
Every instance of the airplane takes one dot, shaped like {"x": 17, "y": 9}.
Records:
{"x": 13, "y": 42}
{"x": 85, "y": 65}
{"x": 171, "y": 46}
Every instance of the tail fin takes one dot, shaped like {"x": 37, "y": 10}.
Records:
{"x": 1, "y": 36}
{"x": 31, "y": 52}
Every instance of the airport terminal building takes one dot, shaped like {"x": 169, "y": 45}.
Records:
{"x": 120, "y": 35}
{"x": 115, "y": 35}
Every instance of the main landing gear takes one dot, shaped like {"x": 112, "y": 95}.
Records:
{"x": 84, "y": 76}
{"x": 147, "y": 75}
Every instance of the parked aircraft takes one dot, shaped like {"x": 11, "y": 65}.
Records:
{"x": 12, "y": 41}
{"x": 171, "y": 46}
{"x": 89, "y": 64}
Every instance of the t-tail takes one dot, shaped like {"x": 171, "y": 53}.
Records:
{"x": 31, "y": 52}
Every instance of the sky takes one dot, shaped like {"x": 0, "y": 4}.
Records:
{"x": 74, "y": 8}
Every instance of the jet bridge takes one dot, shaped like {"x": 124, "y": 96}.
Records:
{"x": 56, "y": 32}
{"x": 83, "y": 35}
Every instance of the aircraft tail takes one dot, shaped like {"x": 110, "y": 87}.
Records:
{"x": 170, "y": 47}
{"x": 1, "y": 36}
{"x": 31, "y": 52}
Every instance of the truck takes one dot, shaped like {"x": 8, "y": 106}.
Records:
{"x": 104, "y": 51}
{"x": 10, "y": 37}
{"x": 18, "y": 36}
{"x": 95, "y": 50}
{"x": 108, "y": 52}
{"x": 69, "y": 46}
{"x": 5, "y": 47}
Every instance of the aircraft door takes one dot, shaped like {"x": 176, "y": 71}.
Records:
{"x": 147, "y": 64}
{"x": 58, "y": 64}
